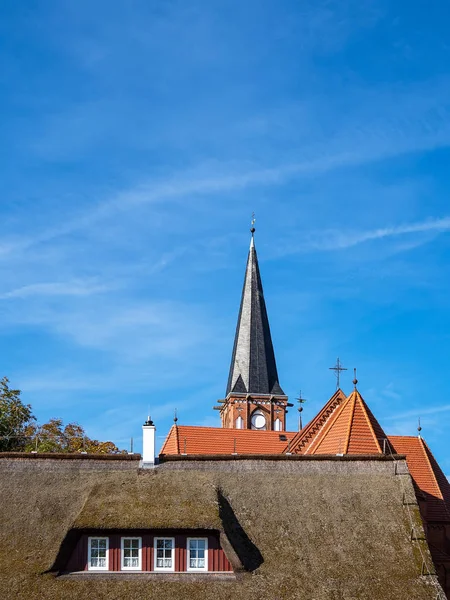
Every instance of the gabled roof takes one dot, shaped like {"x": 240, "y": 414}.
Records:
{"x": 427, "y": 475}
{"x": 304, "y": 438}
{"x": 351, "y": 429}
{"x": 253, "y": 369}
{"x": 186, "y": 439}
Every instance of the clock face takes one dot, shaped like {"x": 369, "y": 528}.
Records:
{"x": 258, "y": 421}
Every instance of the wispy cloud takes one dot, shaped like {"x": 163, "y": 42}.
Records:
{"x": 337, "y": 240}
{"x": 70, "y": 288}
{"x": 432, "y": 410}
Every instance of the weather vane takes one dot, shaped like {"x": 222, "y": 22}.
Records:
{"x": 300, "y": 401}
{"x": 355, "y": 381}
{"x": 419, "y": 428}
{"x": 338, "y": 368}
{"x": 253, "y": 223}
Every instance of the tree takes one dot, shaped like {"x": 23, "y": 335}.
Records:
{"x": 54, "y": 437}
{"x": 15, "y": 417}
{"x": 20, "y": 432}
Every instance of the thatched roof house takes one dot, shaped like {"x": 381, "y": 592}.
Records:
{"x": 294, "y": 528}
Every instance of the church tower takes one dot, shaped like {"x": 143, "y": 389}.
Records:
{"x": 254, "y": 398}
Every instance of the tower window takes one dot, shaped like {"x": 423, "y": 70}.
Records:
{"x": 239, "y": 423}
{"x": 258, "y": 420}
{"x": 277, "y": 425}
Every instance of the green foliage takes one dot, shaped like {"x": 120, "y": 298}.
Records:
{"x": 15, "y": 417}
{"x": 20, "y": 432}
{"x": 54, "y": 437}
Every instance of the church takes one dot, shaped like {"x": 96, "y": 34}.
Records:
{"x": 338, "y": 510}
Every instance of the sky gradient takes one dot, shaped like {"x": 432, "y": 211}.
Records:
{"x": 137, "y": 139}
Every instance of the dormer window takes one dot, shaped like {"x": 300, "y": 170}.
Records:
{"x": 147, "y": 551}
{"x": 164, "y": 554}
{"x": 98, "y": 553}
{"x": 197, "y": 549}
{"x": 131, "y": 553}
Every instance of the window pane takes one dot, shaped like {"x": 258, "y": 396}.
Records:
{"x": 197, "y": 553}
{"x": 164, "y": 549}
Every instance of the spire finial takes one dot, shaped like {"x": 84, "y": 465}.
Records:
{"x": 149, "y": 421}
{"x": 252, "y": 228}
{"x": 338, "y": 368}
{"x": 355, "y": 381}
{"x": 175, "y": 417}
{"x": 419, "y": 428}
{"x": 300, "y": 401}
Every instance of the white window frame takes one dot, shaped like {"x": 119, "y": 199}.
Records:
{"x": 188, "y": 554}
{"x": 122, "y": 554}
{"x": 155, "y": 558}
{"x": 239, "y": 422}
{"x": 90, "y": 567}
{"x": 277, "y": 424}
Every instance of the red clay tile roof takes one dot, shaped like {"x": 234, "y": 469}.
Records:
{"x": 171, "y": 445}
{"x": 351, "y": 429}
{"x": 186, "y": 439}
{"x": 427, "y": 475}
{"x": 304, "y": 438}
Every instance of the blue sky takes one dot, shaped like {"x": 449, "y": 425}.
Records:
{"x": 137, "y": 139}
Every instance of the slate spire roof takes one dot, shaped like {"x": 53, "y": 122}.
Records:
{"x": 253, "y": 369}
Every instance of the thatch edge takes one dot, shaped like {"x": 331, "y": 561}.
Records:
{"x": 70, "y": 456}
{"x": 281, "y": 457}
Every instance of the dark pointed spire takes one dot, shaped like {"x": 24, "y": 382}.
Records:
{"x": 253, "y": 369}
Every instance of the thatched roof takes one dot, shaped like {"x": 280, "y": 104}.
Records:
{"x": 320, "y": 530}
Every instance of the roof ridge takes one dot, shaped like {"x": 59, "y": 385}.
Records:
{"x": 350, "y": 421}
{"x": 177, "y": 438}
{"x": 368, "y": 414}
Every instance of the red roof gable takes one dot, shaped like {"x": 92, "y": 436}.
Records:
{"x": 350, "y": 429}
{"x": 186, "y": 439}
{"x": 304, "y": 438}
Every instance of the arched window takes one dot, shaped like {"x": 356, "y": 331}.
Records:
{"x": 239, "y": 423}
{"x": 258, "y": 420}
{"x": 277, "y": 425}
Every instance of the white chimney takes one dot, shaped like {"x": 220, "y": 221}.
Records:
{"x": 148, "y": 443}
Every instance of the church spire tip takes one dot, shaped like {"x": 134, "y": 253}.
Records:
{"x": 252, "y": 231}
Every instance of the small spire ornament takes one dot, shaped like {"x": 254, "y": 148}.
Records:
{"x": 419, "y": 428}
{"x": 175, "y": 417}
{"x": 355, "y": 381}
{"x": 300, "y": 401}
